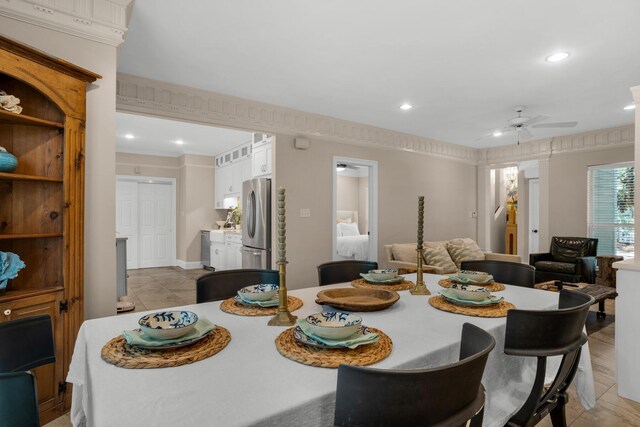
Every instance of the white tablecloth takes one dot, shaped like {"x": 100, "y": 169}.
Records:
{"x": 250, "y": 383}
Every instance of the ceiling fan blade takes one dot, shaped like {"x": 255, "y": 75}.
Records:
{"x": 525, "y": 134}
{"x": 556, "y": 125}
{"x": 536, "y": 119}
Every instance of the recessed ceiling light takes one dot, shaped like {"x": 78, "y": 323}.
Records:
{"x": 129, "y": 136}
{"x": 630, "y": 107}
{"x": 497, "y": 133}
{"x": 406, "y": 106}
{"x": 556, "y": 57}
{"x": 179, "y": 141}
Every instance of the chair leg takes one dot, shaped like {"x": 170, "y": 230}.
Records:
{"x": 558, "y": 417}
{"x": 476, "y": 421}
{"x": 601, "y": 314}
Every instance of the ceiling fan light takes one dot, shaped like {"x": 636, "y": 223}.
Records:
{"x": 340, "y": 167}
{"x": 630, "y": 107}
{"x": 557, "y": 57}
{"x": 406, "y": 106}
{"x": 497, "y": 133}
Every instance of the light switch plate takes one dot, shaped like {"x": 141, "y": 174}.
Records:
{"x": 305, "y": 213}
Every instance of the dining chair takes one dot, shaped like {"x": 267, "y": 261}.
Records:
{"x": 511, "y": 273}
{"x": 26, "y": 343}
{"x": 220, "y": 285}
{"x": 18, "y": 399}
{"x": 544, "y": 333}
{"x": 448, "y": 395}
{"x": 343, "y": 271}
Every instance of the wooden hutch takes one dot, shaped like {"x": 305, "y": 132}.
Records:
{"x": 42, "y": 203}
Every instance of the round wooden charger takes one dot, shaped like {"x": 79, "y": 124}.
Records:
{"x": 498, "y": 310}
{"x": 232, "y": 307}
{"x": 402, "y": 286}
{"x": 334, "y": 357}
{"x": 119, "y": 353}
{"x": 493, "y": 286}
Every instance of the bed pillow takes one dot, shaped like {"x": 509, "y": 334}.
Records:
{"x": 436, "y": 254}
{"x": 349, "y": 229}
{"x": 405, "y": 252}
{"x": 343, "y": 220}
{"x": 464, "y": 250}
{"x": 339, "y": 230}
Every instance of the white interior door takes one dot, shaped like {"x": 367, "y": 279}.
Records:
{"x": 534, "y": 215}
{"x": 127, "y": 218}
{"x": 163, "y": 225}
{"x": 146, "y": 193}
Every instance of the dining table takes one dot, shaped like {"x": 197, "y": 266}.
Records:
{"x": 250, "y": 383}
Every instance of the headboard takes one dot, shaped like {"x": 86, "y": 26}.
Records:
{"x": 345, "y": 216}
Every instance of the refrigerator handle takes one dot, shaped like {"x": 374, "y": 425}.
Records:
{"x": 251, "y": 217}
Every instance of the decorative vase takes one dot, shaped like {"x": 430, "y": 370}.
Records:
{"x": 8, "y": 162}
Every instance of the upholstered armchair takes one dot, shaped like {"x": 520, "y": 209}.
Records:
{"x": 570, "y": 259}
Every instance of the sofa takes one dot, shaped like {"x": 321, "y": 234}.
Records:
{"x": 443, "y": 257}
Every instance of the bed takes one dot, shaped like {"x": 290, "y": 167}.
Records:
{"x": 350, "y": 244}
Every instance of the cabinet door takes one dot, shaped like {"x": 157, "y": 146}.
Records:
{"x": 48, "y": 376}
{"x": 259, "y": 160}
{"x": 268, "y": 159}
{"x": 236, "y": 178}
{"x": 229, "y": 261}
{"x": 219, "y": 193}
{"x": 217, "y": 256}
{"x": 222, "y": 184}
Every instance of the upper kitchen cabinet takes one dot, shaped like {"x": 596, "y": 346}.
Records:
{"x": 261, "y": 160}
{"x": 232, "y": 169}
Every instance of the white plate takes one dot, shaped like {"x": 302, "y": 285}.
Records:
{"x": 492, "y": 300}
{"x": 303, "y": 338}
{"x": 173, "y": 345}
{"x": 395, "y": 280}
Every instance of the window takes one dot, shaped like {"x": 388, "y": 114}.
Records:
{"x": 610, "y": 200}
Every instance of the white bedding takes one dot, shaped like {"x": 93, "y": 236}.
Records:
{"x": 353, "y": 246}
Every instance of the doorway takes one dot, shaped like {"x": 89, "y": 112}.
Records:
{"x": 145, "y": 215}
{"x": 355, "y": 209}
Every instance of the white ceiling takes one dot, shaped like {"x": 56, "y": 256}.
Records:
{"x": 157, "y": 136}
{"x": 463, "y": 64}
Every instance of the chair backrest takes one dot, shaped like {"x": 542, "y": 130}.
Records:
{"x": 18, "y": 399}
{"x": 219, "y": 285}
{"x": 567, "y": 249}
{"x": 548, "y": 333}
{"x": 444, "y": 396}
{"x": 510, "y": 273}
{"x": 26, "y": 343}
{"x": 343, "y": 271}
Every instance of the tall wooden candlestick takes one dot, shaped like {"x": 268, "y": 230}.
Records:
{"x": 420, "y": 288}
{"x": 282, "y": 317}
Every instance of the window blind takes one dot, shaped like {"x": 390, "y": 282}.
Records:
{"x": 610, "y": 208}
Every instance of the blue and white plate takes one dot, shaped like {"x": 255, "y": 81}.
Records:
{"x": 491, "y": 300}
{"x": 369, "y": 279}
{"x": 166, "y": 325}
{"x": 305, "y": 339}
{"x": 173, "y": 345}
{"x": 270, "y": 303}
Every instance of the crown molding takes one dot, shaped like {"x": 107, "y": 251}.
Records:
{"x": 147, "y": 96}
{"x": 103, "y": 21}
{"x": 602, "y": 139}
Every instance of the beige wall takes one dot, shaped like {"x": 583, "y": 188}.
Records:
{"x": 568, "y": 188}
{"x": 99, "y": 243}
{"x": 449, "y": 188}
{"x": 195, "y": 199}
{"x": 347, "y": 193}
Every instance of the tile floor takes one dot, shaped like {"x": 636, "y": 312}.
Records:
{"x": 155, "y": 288}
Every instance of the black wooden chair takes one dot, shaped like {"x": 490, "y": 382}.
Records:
{"x": 510, "y": 273}
{"x": 220, "y": 285}
{"x": 26, "y": 343}
{"x": 343, "y": 271}
{"x": 542, "y": 334}
{"x": 445, "y": 396}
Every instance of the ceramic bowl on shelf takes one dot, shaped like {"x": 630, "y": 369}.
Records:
{"x": 261, "y": 292}
{"x": 334, "y": 325}
{"x": 8, "y": 162}
{"x": 167, "y": 325}
{"x": 469, "y": 292}
{"x": 387, "y": 274}
{"x": 476, "y": 276}
{"x": 221, "y": 224}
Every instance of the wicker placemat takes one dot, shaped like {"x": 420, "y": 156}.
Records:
{"x": 119, "y": 353}
{"x": 493, "y": 286}
{"x": 498, "y": 310}
{"x": 402, "y": 286}
{"x": 334, "y": 357}
{"x": 232, "y": 307}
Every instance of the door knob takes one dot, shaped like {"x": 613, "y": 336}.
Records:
{"x": 534, "y": 231}
{"x": 7, "y": 312}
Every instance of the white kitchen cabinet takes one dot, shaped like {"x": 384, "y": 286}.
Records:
{"x": 222, "y": 184}
{"x": 261, "y": 160}
{"x": 233, "y": 250}
{"x": 229, "y": 180}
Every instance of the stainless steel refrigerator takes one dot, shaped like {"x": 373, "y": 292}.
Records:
{"x": 256, "y": 220}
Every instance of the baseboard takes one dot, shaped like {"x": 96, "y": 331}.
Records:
{"x": 193, "y": 265}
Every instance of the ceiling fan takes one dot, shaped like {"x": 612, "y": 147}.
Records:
{"x": 522, "y": 124}
{"x": 342, "y": 166}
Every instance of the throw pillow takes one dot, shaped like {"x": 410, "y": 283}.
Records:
{"x": 464, "y": 250}
{"x": 435, "y": 253}
{"x": 405, "y": 252}
{"x": 349, "y": 229}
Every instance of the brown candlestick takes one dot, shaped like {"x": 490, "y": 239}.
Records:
{"x": 420, "y": 288}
